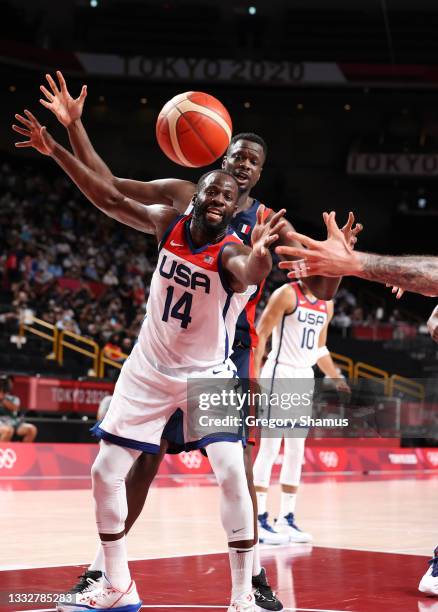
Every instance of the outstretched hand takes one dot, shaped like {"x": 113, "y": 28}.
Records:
{"x": 349, "y": 230}
{"x": 66, "y": 108}
{"x": 37, "y": 134}
{"x": 332, "y": 257}
{"x": 266, "y": 232}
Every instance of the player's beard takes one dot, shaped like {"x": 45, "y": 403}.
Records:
{"x": 212, "y": 231}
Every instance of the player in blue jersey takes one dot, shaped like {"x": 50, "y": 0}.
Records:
{"x": 245, "y": 158}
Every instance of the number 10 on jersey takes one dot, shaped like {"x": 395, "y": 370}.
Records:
{"x": 308, "y": 339}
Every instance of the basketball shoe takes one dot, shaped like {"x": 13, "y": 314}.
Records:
{"x": 88, "y": 580}
{"x": 287, "y": 526}
{"x": 264, "y": 596}
{"x": 246, "y": 603}
{"x": 429, "y": 582}
{"x": 267, "y": 535}
{"x": 106, "y": 597}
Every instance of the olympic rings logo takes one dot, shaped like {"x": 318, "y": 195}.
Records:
{"x": 329, "y": 458}
{"x": 7, "y": 458}
{"x": 192, "y": 460}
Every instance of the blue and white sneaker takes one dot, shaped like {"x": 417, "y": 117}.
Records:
{"x": 106, "y": 598}
{"x": 287, "y": 526}
{"x": 429, "y": 582}
{"x": 268, "y": 535}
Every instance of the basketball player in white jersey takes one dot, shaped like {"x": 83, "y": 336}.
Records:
{"x": 203, "y": 279}
{"x": 298, "y": 322}
{"x": 334, "y": 256}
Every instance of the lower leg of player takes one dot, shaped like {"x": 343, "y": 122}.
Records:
{"x": 117, "y": 590}
{"x": 226, "y": 459}
{"x": 138, "y": 482}
{"x": 269, "y": 449}
{"x": 289, "y": 479}
{"x": 265, "y": 597}
{"x": 108, "y": 477}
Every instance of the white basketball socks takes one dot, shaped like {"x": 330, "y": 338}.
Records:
{"x": 256, "y": 564}
{"x": 116, "y": 564}
{"x": 241, "y": 563}
{"x": 262, "y": 497}
{"x": 98, "y": 564}
{"x": 288, "y": 502}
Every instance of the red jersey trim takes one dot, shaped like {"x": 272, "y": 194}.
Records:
{"x": 304, "y": 302}
{"x": 205, "y": 257}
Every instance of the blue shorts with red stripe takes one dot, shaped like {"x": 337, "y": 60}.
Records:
{"x": 173, "y": 433}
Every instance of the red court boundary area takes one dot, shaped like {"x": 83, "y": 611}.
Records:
{"x": 49, "y": 466}
{"x": 320, "y": 579}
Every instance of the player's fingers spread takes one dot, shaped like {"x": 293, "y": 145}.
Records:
{"x": 278, "y": 227}
{"x": 302, "y": 239}
{"x": 294, "y": 253}
{"x": 52, "y": 84}
{"x": 61, "y": 81}
{"x": 332, "y": 225}
{"x": 47, "y": 93}
{"x": 31, "y": 117}
{"x": 274, "y": 219}
{"x": 23, "y": 120}
{"x": 270, "y": 239}
{"x": 83, "y": 93}
{"x": 20, "y": 130}
{"x": 259, "y": 214}
{"x": 347, "y": 227}
{"x": 299, "y": 271}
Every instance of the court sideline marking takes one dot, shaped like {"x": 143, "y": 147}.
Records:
{"x": 197, "y": 606}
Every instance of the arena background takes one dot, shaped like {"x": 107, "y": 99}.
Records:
{"x": 345, "y": 94}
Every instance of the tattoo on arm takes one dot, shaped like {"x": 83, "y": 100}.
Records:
{"x": 415, "y": 273}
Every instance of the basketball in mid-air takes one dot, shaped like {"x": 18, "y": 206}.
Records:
{"x": 194, "y": 129}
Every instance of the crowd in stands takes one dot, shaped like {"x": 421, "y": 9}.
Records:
{"x": 68, "y": 264}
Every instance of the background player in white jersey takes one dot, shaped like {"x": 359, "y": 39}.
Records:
{"x": 298, "y": 322}
{"x": 203, "y": 279}
{"x": 334, "y": 256}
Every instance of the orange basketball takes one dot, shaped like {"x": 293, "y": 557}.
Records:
{"x": 194, "y": 129}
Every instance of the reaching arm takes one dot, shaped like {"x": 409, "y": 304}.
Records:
{"x": 102, "y": 193}
{"x": 283, "y": 300}
{"x": 244, "y": 266}
{"x": 334, "y": 257}
{"x": 416, "y": 273}
{"x": 323, "y": 287}
{"x": 68, "y": 111}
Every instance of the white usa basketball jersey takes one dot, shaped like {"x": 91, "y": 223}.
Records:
{"x": 192, "y": 312}
{"x": 295, "y": 339}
